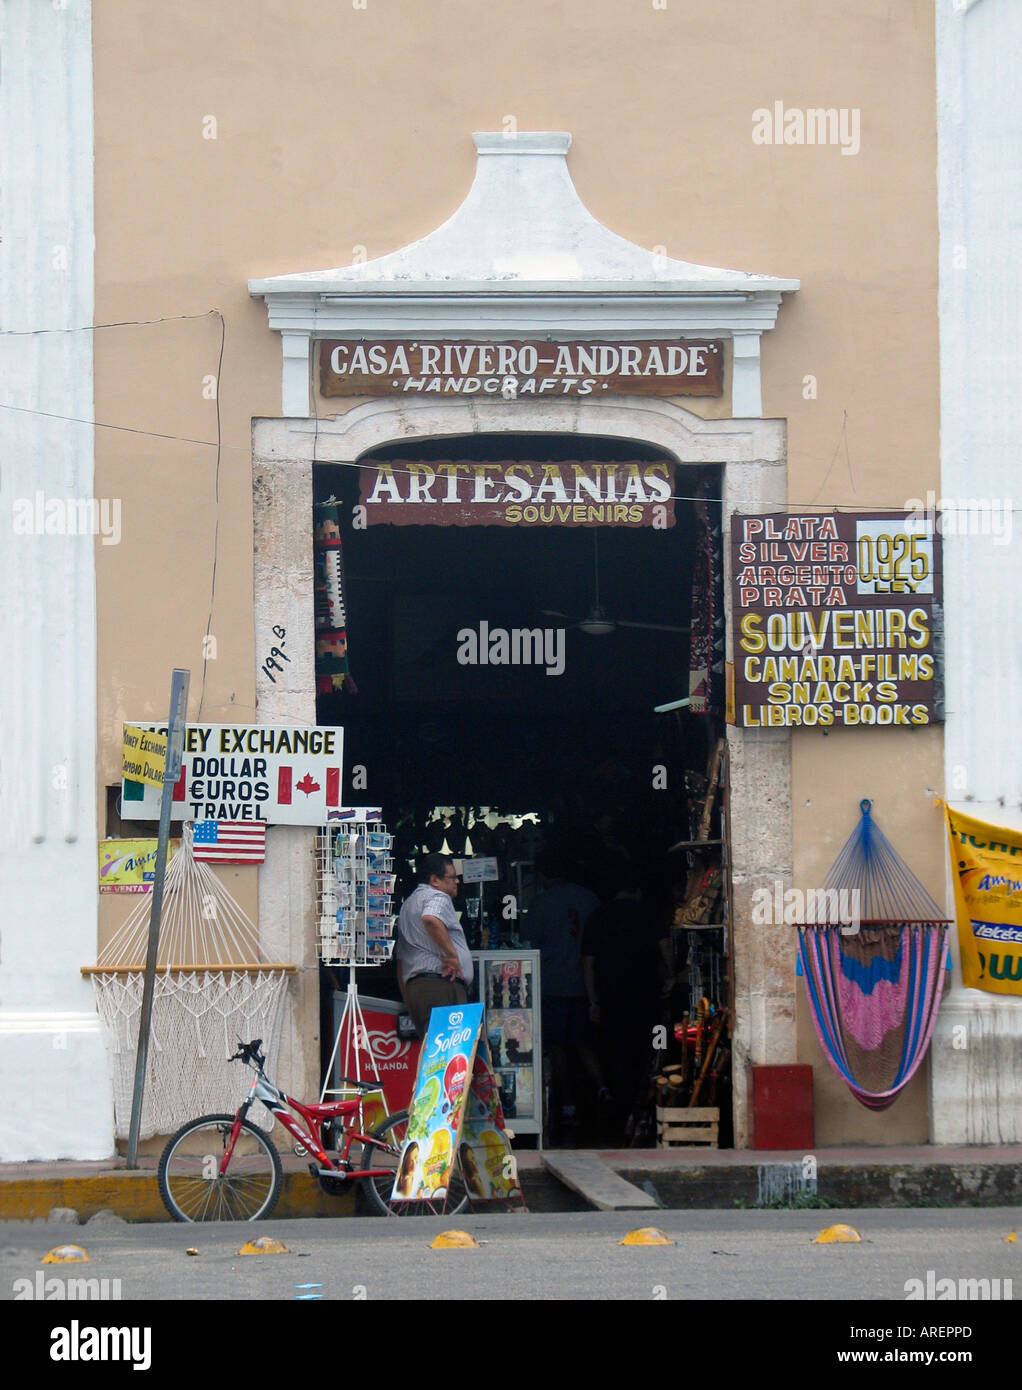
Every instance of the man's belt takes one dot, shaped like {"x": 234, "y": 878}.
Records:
{"x": 435, "y": 975}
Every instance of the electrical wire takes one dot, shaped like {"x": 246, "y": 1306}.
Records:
{"x": 220, "y": 445}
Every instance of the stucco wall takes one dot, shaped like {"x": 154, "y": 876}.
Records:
{"x": 338, "y": 129}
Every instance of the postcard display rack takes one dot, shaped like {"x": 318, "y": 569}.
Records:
{"x": 356, "y": 924}
{"x": 507, "y": 984}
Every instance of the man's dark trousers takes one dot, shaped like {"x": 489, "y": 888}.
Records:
{"x": 424, "y": 993}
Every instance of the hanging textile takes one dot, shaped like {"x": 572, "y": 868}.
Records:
{"x": 874, "y": 983}
{"x": 706, "y": 650}
{"x": 874, "y": 999}
{"x": 212, "y": 987}
{"x": 332, "y": 672}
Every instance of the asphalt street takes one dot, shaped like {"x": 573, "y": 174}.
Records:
{"x": 718, "y": 1255}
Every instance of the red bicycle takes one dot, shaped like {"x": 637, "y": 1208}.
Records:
{"x": 225, "y": 1168}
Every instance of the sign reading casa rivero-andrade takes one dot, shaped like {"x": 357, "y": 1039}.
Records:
{"x": 517, "y": 492}
{"x": 521, "y": 370}
{"x": 280, "y": 774}
{"x": 837, "y": 620}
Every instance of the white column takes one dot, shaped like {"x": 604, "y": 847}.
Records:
{"x": 284, "y": 597}
{"x": 294, "y": 390}
{"x": 57, "y": 1100}
{"x": 975, "y": 1078}
{"x": 746, "y": 393}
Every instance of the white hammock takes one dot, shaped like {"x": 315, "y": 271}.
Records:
{"x": 211, "y": 989}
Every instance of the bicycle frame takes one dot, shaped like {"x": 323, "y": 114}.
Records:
{"x": 280, "y": 1104}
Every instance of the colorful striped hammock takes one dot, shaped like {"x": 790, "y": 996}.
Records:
{"x": 874, "y": 993}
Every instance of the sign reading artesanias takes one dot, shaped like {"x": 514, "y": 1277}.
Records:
{"x": 836, "y": 620}
{"x": 517, "y": 370}
{"x": 517, "y": 492}
{"x": 262, "y": 772}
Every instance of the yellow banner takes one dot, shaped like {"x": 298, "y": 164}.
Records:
{"x": 129, "y": 866}
{"x": 986, "y": 862}
{"x": 143, "y": 755}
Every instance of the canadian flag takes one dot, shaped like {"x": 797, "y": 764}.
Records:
{"x": 307, "y": 784}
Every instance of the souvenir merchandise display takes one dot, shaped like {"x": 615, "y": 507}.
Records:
{"x": 356, "y": 923}
{"x": 356, "y": 893}
{"x": 507, "y": 985}
{"x": 332, "y": 671}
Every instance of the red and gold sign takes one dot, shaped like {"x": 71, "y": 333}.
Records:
{"x": 519, "y": 493}
{"x": 521, "y": 370}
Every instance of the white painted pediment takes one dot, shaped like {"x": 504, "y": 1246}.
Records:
{"x": 522, "y": 255}
{"x": 522, "y": 226}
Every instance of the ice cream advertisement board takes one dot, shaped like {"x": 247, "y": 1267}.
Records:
{"x": 456, "y": 1103}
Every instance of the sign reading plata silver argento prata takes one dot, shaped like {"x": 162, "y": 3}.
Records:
{"x": 836, "y": 620}
{"x": 521, "y": 370}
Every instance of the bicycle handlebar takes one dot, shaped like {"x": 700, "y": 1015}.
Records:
{"x": 249, "y": 1052}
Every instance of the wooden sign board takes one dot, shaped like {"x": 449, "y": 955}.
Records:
{"x": 522, "y": 370}
{"x": 837, "y": 620}
{"x": 518, "y": 492}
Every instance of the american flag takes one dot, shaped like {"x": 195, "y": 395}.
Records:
{"x": 229, "y": 841}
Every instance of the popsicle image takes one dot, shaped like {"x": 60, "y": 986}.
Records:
{"x": 434, "y": 1170}
{"x": 496, "y": 1149}
{"x": 454, "y": 1079}
{"x": 422, "y": 1108}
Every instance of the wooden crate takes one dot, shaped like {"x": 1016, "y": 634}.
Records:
{"x": 678, "y": 1127}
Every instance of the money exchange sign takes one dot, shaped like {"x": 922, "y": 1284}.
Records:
{"x": 837, "y": 620}
{"x": 280, "y": 774}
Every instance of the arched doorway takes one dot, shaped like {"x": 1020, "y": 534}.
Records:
{"x": 751, "y": 456}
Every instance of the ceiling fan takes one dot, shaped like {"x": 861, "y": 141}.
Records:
{"x": 596, "y": 623}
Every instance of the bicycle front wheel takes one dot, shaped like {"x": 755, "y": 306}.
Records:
{"x": 392, "y": 1133}
{"x": 192, "y": 1185}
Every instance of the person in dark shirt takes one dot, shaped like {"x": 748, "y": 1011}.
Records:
{"x": 626, "y": 964}
{"x": 554, "y": 925}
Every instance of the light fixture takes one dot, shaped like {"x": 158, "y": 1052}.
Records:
{"x": 596, "y": 624}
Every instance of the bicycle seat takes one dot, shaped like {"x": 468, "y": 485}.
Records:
{"x": 359, "y": 1085}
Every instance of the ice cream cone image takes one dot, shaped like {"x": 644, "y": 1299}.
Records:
{"x": 435, "y": 1167}
{"x": 496, "y": 1150}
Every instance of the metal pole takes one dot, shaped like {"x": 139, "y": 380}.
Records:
{"x": 175, "y": 740}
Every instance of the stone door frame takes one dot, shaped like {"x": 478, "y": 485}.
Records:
{"x": 753, "y": 456}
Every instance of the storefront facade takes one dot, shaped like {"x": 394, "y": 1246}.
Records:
{"x": 826, "y": 310}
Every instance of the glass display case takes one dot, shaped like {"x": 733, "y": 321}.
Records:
{"x": 507, "y": 983}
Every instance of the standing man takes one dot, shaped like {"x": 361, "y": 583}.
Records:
{"x": 554, "y": 925}
{"x": 627, "y": 965}
{"x": 434, "y": 963}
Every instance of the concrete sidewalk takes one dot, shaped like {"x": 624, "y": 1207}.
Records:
{"x": 675, "y": 1178}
